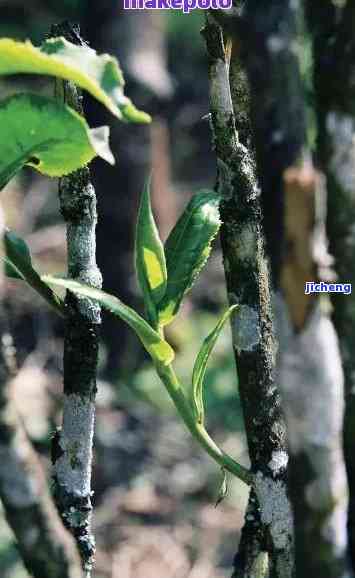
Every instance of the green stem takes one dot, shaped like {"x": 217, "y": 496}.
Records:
{"x": 171, "y": 382}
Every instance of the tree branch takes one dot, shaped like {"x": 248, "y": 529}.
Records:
{"x": 266, "y": 535}
{"x": 72, "y": 447}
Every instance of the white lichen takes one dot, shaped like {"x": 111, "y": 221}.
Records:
{"x": 278, "y": 462}
{"x": 247, "y": 243}
{"x": 73, "y": 467}
{"x": 246, "y": 328}
{"x": 275, "y": 509}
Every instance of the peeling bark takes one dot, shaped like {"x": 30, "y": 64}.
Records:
{"x": 266, "y": 544}
{"x": 309, "y": 369}
{"x": 72, "y": 444}
{"x": 46, "y": 548}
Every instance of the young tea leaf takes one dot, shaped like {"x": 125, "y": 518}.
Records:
{"x": 200, "y": 366}
{"x": 187, "y": 250}
{"x": 158, "y": 348}
{"x": 20, "y": 247}
{"x": 18, "y": 265}
{"x": 98, "y": 74}
{"x": 46, "y": 135}
{"x": 149, "y": 257}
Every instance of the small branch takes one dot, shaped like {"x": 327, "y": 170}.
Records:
{"x": 72, "y": 446}
{"x": 265, "y": 537}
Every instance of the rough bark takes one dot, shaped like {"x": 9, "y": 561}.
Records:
{"x": 308, "y": 367}
{"x": 46, "y": 548}
{"x": 72, "y": 444}
{"x": 266, "y": 543}
{"x": 334, "y": 48}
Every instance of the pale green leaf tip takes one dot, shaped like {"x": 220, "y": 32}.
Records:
{"x": 132, "y": 114}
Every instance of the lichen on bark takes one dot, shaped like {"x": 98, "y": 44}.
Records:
{"x": 72, "y": 444}
{"x": 261, "y": 549}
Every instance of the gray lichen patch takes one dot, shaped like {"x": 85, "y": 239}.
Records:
{"x": 247, "y": 243}
{"x": 82, "y": 263}
{"x": 81, "y": 242}
{"x": 275, "y": 509}
{"x": 246, "y": 329}
{"x": 73, "y": 467}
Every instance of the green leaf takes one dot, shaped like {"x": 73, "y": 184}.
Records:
{"x": 158, "y": 348}
{"x": 99, "y": 75}
{"x": 18, "y": 265}
{"x": 187, "y": 250}
{"x": 46, "y": 135}
{"x": 200, "y": 366}
{"x": 149, "y": 257}
{"x": 223, "y": 488}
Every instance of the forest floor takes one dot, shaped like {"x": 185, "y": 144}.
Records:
{"x": 155, "y": 491}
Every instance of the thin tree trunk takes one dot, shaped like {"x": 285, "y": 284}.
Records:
{"x": 266, "y": 543}
{"x": 336, "y": 117}
{"x": 72, "y": 445}
{"x": 309, "y": 367}
{"x": 46, "y": 548}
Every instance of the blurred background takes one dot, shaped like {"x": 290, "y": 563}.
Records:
{"x": 155, "y": 491}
